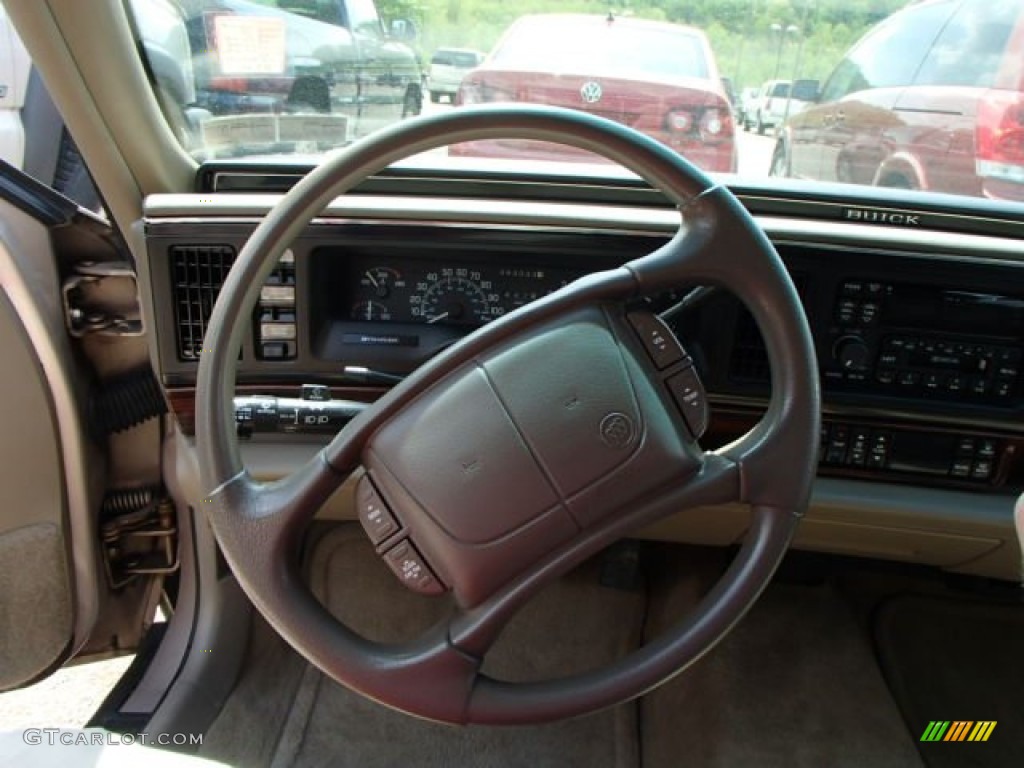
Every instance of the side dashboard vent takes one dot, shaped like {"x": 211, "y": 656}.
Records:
{"x": 197, "y": 273}
{"x": 748, "y": 363}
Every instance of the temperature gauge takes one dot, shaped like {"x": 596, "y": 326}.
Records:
{"x": 370, "y": 310}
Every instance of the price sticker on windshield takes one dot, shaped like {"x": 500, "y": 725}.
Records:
{"x": 250, "y": 45}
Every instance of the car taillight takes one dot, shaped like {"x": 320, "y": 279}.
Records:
{"x": 713, "y": 124}
{"x": 1000, "y": 136}
{"x": 679, "y": 121}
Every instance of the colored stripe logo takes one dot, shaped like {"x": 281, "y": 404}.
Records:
{"x": 958, "y": 730}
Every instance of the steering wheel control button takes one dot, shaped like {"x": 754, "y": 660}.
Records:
{"x": 661, "y": 344}
{"x": 377, "y": 520}
{"x": 688, "y": 394}
{"x": 412, "y": 570}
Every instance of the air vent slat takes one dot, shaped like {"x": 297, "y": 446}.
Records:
{"x": 198, "y": 272}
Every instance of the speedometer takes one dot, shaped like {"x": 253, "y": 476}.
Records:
{"x": 454, "y": 296}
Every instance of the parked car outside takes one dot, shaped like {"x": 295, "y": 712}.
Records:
{"x": 332, "y": 58}
{"x": 775, "y": 103}
{"x": 656, "y": 77}
{"x": 747, "y": 106}
{"x": 447, "y": 68}
{"x": 932, "y": 98}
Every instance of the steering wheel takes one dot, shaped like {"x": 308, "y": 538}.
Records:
{"x": 525, "y": 448}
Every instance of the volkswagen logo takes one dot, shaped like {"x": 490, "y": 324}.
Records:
{"x": 591, "y": 92}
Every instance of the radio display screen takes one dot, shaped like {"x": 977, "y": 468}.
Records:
{"x": 934, "y": 309}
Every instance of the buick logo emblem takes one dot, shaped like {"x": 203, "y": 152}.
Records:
{"x": 591, "y": 92}
{"x": 617, "y": 430}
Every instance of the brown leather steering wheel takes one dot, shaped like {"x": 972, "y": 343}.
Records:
{"x": 527, "y": 447}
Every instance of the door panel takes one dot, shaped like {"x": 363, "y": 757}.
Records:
{"x": 35, "y": 586}
{"x": 50, "y": 474}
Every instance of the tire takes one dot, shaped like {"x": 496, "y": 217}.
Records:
{"x": 412, "y": 104}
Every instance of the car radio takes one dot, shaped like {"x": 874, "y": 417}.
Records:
{"x": 909, "y": 339}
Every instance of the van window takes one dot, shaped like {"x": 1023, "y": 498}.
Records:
{"x": 780, "y": 91}
{"x": 970, "y": 48}
{"x": 891, "y": 55}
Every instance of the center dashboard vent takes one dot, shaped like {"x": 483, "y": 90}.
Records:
{"x": 197, "y": 272}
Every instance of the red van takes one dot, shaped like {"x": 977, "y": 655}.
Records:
{"x": 932, "y": 98}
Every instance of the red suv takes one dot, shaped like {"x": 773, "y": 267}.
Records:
{"x": 932, "y": 98}
{"x": 656, "y": 77}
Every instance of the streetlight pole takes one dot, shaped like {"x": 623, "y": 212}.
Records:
{"x": 777, "y": 29}
{"x": 743, "y": 41}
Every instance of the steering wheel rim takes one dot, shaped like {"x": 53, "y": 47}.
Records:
{"x": 437, "y": 676}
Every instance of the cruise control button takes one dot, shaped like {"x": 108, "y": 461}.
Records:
{"x": 659, "y": 341}
{"x": 688, "y": 393}
{"x": 408, "y": 565}
{"x": 377, "y": 520}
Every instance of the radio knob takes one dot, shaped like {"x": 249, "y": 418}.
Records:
{"x": 852, "y": 353}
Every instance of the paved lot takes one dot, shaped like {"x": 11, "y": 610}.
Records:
{"x": 67, "y": 698}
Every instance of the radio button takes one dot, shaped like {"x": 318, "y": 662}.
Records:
{"x": 1009, "y": 355}
{"x": 886, "y": 376}
{"x": 853, "y": 288}
{"x": 909, "y": 379}
{"x": 982, "y": 470}
{"x": 955, "y": 384}
{"x": 961, "y": 468}
{"x": 979, "y": 385}
{"x": 987, "y": 449}
{"x": 1003, "y": 388}
{"x": 869, "y": 312}
{"x": 965, "y": 448}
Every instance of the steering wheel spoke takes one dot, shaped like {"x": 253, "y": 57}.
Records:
{"x": 527, "y": 447}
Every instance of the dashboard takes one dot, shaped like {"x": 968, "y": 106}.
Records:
{"x": 919, "y": 336}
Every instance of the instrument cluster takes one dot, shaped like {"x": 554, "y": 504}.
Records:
{"x": 457, "y": 293}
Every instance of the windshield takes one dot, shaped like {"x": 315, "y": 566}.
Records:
{"x": 925, "y": 95}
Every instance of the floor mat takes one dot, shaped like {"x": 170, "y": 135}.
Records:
{"x": 795, "y": 684}
{"x": 950, "y": 661}
{"x": 323, "y": 724}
